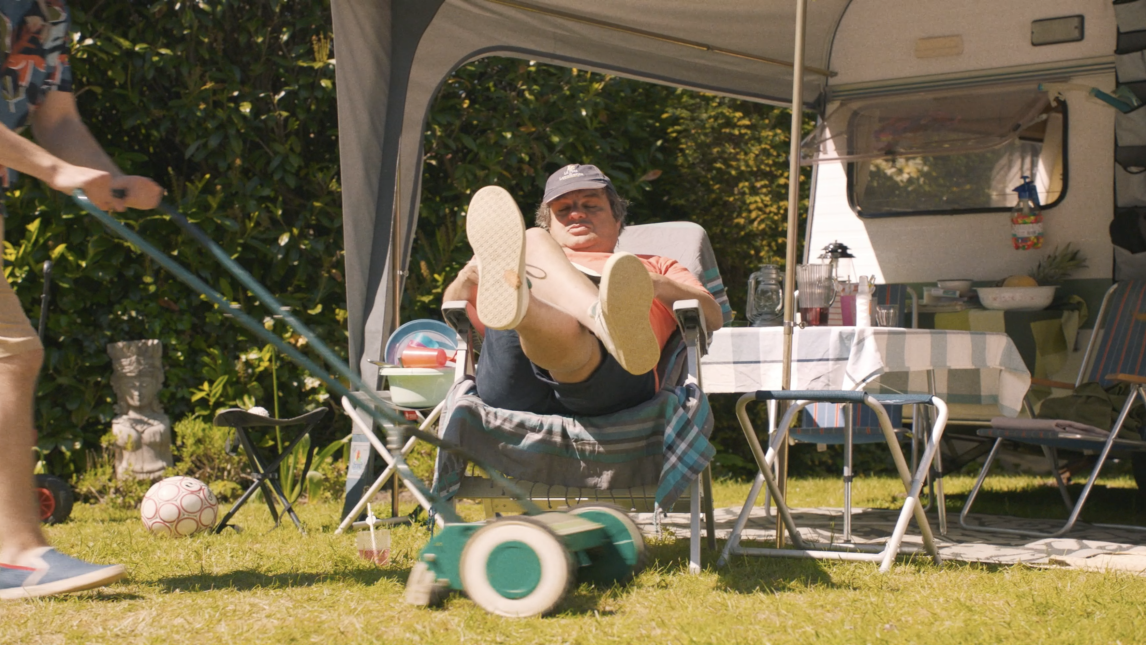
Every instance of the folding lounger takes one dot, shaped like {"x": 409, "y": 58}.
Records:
{"x": 1116, "y": 353}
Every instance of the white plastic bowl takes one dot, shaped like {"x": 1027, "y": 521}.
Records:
{"x": 1016, "y": 298}
{"x": 418, "y": 387}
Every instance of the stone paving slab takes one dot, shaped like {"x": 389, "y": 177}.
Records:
{"x": 1087, "y": 546}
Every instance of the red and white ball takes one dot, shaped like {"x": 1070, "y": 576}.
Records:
{"x": 178, "y": 507}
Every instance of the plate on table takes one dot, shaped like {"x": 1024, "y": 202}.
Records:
{"x": 432, "y": 334}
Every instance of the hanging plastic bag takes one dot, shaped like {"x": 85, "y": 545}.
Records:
{"x": 1027, "y": 218}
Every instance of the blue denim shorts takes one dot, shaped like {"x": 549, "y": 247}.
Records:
{"x": 507, "y": 379}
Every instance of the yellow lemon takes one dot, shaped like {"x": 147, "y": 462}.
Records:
{"x": 1020, "y": 281}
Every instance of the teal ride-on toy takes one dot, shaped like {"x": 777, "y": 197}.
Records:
{"x": 523, "y": 565}
{"x": 515, "y": 566}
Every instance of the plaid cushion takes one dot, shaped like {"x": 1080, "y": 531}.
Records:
{"x": 663, "y": 441}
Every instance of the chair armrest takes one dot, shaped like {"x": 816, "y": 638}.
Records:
{"x": 454, "y": 313}
{"x": 690, "y": 319}
{"x": 1044, "y": 382}
{"x": 1127, "y": 378}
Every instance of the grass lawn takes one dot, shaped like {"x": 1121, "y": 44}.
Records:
{"x": 276, "y": 586}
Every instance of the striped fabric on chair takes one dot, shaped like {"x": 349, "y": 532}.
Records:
{"x": 1123, "y": 346}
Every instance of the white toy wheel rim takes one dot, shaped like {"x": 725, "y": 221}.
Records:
{"x": 550, "y": 552}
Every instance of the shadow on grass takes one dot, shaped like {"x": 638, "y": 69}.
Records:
{"x": 742, "y": 574}
{"x": 1043, "y": 501}
{"x": 246, "y": 580}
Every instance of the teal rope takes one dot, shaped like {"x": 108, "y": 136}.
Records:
{"x": 379, "y": 412}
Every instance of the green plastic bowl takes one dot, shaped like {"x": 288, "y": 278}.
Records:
{"x": 418, "y": 387}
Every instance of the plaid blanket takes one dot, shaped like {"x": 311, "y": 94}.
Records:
{"x": 663, "y": 441}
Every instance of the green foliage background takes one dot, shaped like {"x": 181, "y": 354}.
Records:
{"x": 231, "y": 106}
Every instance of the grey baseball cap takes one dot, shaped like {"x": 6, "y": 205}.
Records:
{"x": 574, "y": 177}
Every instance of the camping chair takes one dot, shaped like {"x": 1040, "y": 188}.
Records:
{"x": 1116, "y": 353}
{"x": 642, "y": 459}
{"x": 264, "y": 467}
{"x": 844, "y": 550}
{"x": 843, "y": 424}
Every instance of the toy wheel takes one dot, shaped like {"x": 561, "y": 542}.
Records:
{"x": 55, "y": 499}
{"x": 423, "y": 588}
{"x": 621, "y": 558}
{"x": 516, "y": 567}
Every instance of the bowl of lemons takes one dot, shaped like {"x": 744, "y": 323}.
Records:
{"x": 1018, "y": 293}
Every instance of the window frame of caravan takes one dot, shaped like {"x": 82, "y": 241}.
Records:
{"x": 850, "y": 169}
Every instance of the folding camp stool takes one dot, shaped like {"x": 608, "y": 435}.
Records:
{"x": 838, "y": 551}
{"x": 265, "y": 469}
{"x": 364, "y": 426}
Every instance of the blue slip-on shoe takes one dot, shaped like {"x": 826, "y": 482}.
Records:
{"x": 51, "y": 572}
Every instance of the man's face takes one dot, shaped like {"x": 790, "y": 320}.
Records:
{"x": 582, "y": 220}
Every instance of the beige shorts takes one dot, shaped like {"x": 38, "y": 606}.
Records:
{"x": 16, "y": 333}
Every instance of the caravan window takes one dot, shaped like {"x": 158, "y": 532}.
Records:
{"x": 945, "y": 152}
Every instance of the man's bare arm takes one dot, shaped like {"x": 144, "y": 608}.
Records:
{"x": 69, "y": 157}
{"x": 668, "y": 291}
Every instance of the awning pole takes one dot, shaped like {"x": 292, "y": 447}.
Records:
{"x": 793, "y": 228}
{"x": 396, "y": 245}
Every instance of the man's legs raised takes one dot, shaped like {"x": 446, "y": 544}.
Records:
{"x": 557, "y": 311}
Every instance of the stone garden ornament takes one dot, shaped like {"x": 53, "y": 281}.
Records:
{"x": 142, "y": 431}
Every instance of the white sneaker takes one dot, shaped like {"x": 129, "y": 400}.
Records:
{"x": 496, "y": 233}
{"x": 621, "y": 314}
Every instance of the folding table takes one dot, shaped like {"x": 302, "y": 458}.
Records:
{"x": 971, "y": 367}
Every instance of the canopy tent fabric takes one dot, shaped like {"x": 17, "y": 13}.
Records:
{"x": 393, "y": 55}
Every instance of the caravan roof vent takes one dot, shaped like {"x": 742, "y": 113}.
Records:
{"x": 924, "y": 123}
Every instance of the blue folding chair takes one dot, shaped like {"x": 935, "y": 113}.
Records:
{"x": 843, "y": 424}
{"x": 846, "y": 549}
{"x": 1116, "y": 353}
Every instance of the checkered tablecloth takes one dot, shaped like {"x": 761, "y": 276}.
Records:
{"x": 968, "y": 367}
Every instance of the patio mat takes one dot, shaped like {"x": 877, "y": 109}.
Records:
{"x": 1087, "y": 546}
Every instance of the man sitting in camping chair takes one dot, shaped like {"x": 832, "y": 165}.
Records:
{"x": 555, "y": 341}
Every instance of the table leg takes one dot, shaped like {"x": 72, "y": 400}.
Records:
{"x": 782, "y": 475}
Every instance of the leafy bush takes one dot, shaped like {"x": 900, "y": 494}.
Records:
{"x": 201, "y": 452}
{"x": 231, "y": 106}
{"x": 99, "y": 485}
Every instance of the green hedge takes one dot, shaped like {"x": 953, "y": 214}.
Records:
{"x": 229, "y": 105}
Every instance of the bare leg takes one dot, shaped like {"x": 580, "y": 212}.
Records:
{"x": 19, "y": 520}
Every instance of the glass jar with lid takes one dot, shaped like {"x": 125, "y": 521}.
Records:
{"x": 766, "y": 297}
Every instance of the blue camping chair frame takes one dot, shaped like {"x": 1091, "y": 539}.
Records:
{"x": 913, "y": 483}
{"x": 844, "y": 424}
{"x": 1117, "y": 354}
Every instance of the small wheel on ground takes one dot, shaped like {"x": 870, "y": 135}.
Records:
{"x": 55, "y": 499}
{"x": 423, "y": 588}
{"x": 516, "y": 567}
{"x": 620, "y": 559}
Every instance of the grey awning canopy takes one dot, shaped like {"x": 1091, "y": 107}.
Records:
{"x": 393, "y": 55}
